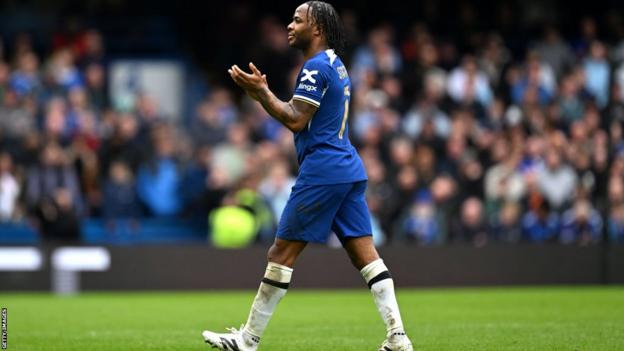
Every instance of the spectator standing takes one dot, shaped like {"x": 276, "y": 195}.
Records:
{"x": 158, "y": 180}
{"x": 557, "y": 181}
{"x": 9, "y": 188}
{"x": 598, "y": 73}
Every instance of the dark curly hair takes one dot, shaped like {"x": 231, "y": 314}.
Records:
{"x": 325, "y": 16}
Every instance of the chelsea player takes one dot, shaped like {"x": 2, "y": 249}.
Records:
{"x": 329, "y": 191}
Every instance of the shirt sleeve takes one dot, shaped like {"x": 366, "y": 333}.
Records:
{"x": 311, "y": 83}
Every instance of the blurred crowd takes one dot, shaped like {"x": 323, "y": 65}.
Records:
{"x": 471, "y": 146}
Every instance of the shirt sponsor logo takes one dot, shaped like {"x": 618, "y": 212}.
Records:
{"x": 306, "y": 87}
{"x": 309, "y": 75}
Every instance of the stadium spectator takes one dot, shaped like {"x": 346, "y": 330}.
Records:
{"x": 554, "y": 51}
{"x": 422, "y": 56}
{"x": 57, "y": 218}
{"x": 503, "y": 183}
{"x": 275, "y": 187}
{"x": 572, "y": 99}
{"x": 424, "y": 162}
{"x": 401, "y": 152}
{"x": 89, "y": 48}
{"x": 581, "y": 224}
{"x": 600, "y": 168}
{"x": 540, "y": 224}
{"x": 493, "y": 58}
{"x": 471, "y": 226}
{"x": 406, "y": 183}
{"x": 616, "y": 224}
{"x": 124, "y": 144}
{"x": 535, "y": 85}
{"x": 532, "y": 160}
{"x": 95, "y": 85}
{"x": 379, "y": 194}
{"x": 471, "y": 175}
{"x": 598, "y": 73}
{"x": 557, "y": 181}
{"x": 467, "y": 84}
{"x": 588, "y": 33}
{"x": 506, "y": 226}
{"x": 9, "y": 188}
{"x": 158, "y": 179}
{"x": 5, "y": 74}
{"x": 86, "y": 163}
{"x": 207, "y": 128}
{"x": 218, "y": 186}
{"x": 427, "y": 110}
{"x": 233, "y": 154}
{"x": 194, "y": 184}
{"x": 49, "y": 176}
{"x": 81, "y": 121}
{"x": 614, "y": 112}
{"x": 455, "y": 149}
{"x": 445, "y": 194}
{"x": 378, "y": 56}
{"x": 367, "y": 116}
{"x": 17, "y": 116}
{"x": 421, "y": 225}
{"x": 119, "y": 198}
{"x": 25, "y": 79}
{"x": 148, "y": 114}
{"x": 61, "y": 72}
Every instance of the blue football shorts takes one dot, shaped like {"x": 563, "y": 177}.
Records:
{"x": 313, "y": 211}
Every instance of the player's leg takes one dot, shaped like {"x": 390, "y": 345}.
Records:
{"x": 307, "y": 218}
{"x": 274, "y": 285}
{"x": 361, "y": 250}
{"x": 374, "y": 271}
{"x": 352, "y": 225}
{"x": 285, "y": 252}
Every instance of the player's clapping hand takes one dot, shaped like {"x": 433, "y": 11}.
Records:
{"x": 253, "y": 83}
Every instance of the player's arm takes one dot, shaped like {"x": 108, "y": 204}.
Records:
{"x": 294, "y": 114}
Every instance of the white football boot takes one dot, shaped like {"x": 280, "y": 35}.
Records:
{"x": 235, "y": 340}
{"x": 396, "y": 342}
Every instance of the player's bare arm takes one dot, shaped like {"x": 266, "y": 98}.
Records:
{"x": 293, "y": 114}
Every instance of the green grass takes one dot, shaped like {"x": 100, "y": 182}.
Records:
{"x": 549, "y": 318}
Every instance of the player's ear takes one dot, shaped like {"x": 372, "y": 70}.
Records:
{"x": 316, "y": 30}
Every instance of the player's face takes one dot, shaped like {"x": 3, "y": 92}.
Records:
{"x": 300, "y": 30}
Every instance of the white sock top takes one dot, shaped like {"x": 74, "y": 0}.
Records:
{"x": 373, "y": 269}
{"x": 278, "y": 272}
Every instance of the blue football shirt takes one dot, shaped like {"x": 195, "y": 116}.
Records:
{"x": 324, "y": 151}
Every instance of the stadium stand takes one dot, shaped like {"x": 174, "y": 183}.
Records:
{"x": 475, "y": 136}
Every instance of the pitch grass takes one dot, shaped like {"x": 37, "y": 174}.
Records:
{"x": 548, "y": 318}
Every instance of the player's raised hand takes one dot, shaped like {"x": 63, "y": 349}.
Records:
{"x": 253, "y": 83}
{"x": 257, "y": 72}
